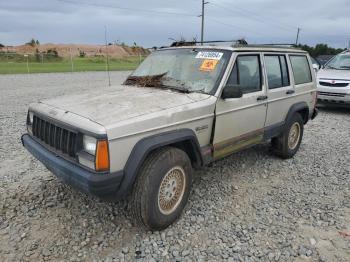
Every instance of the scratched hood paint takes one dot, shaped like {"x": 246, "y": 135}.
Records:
{"x": 118, "y": 103}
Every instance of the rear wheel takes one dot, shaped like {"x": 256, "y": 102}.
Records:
{"x": 162, "y": 188}
{"x": 288, "y": 143}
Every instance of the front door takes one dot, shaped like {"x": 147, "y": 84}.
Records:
{"x": 240, "y": 121}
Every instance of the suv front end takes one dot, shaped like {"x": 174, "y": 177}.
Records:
{"x": 333, "y": 82}
{"x": 336, "y": 91}
{"x": 76, "y": 156}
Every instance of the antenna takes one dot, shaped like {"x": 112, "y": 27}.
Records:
{"x": 107, "y": 58}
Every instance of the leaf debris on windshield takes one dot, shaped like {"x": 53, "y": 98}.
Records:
{"x": 145, "y": 81}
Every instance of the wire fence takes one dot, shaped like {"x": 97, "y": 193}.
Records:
{"x": 13, "y": 63}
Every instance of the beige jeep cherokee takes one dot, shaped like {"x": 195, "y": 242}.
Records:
{"x": 181, "y": 109}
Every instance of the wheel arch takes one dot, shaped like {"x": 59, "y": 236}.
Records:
{"x": 184, "y": 139}
{"x": 302, "y": 108}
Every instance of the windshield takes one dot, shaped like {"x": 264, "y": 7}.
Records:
{"x": 340, "y": 62}
{"x": 187, "y": 70}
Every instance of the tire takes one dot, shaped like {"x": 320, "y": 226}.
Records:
{"x": 157, "y": 201}
{"x": 288, "y": 143}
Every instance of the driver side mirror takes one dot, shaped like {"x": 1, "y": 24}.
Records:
{"x": 232, "y": 91}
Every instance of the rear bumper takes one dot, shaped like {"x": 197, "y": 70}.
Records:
{"x": 104, "y": 185}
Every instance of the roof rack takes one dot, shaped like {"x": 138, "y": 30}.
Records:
{"x": 234, "y": 43}
{"x": 192, "y": 43}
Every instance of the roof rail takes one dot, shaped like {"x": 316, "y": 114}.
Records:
{"x": 192, "y": 43}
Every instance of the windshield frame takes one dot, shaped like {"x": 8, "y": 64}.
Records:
{"x": 226, "y": 53}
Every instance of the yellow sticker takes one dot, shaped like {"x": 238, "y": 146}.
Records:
{"x": 208, "y": 65}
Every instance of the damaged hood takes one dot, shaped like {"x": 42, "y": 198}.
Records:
{"x": 109, "y": 105}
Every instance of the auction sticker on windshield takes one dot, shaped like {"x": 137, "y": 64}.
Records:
{"x": 208, "y": 65}
{"x": 209, "y": 55}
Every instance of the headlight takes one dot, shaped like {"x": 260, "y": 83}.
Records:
{"x": 30, "y": 118}
{"x": 89, "y": 144}
{"x": 95, "y": 154}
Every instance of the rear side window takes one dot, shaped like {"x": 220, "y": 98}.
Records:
{"x": 301, "y": 69}
{"x": 277, "y": 71}
{"x": 246, "y": 74}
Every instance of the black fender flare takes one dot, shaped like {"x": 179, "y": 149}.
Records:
{"x": 296, "y": 108}
{"x": 143, "y": 147}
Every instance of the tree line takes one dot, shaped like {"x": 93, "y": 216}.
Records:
{"x": 320, "y": 49}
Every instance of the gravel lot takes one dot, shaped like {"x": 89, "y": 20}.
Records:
{"x": 251, "y": 206}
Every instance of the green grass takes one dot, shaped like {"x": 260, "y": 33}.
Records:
{"x": 79, "y": 65}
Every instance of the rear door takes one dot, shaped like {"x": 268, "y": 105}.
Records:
{"x": 280, "y": 89}
{"x": 240, "y": 121}
{"x": 304, "y": 79}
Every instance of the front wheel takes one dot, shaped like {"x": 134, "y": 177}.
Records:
{"x": 288, "y": 143}
{"x": 162, "y": 188}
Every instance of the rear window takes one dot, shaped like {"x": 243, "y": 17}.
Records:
{"x": 301, "y": 69}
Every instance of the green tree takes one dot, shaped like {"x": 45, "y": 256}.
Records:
{"x": 320, "y": 49}
{"x": 33, "y": 42}
{"x": 1, "y": 45}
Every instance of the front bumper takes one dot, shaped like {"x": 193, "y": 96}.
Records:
{"x": 331, "y": 95}
{"x": 104, "y": 186}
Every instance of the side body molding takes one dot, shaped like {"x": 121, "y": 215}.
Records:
{"x": 142, "y": 149}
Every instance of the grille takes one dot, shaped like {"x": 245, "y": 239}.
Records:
{"x": 331, "y": 94}
{"x": 333, "y": 85}
{"x": 54, "y": 136}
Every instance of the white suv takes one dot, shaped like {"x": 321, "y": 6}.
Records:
{"x": 333, "y": 81}
{"x": 183, "y": 108}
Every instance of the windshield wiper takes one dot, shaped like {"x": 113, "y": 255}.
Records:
{"x": 332, "y": 67}
{"x": 177, "y": 88}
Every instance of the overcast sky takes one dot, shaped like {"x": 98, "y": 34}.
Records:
{"x": 151, "y": 23}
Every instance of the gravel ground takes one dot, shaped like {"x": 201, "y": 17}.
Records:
{"x": 250, "y": 206}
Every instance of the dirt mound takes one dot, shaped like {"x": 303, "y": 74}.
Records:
{"x": 67, "y": 50}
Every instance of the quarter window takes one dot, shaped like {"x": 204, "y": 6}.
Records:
{"x": 301, "y": 69}
{"x": 277, "y": 71}
{"x": 246, "y": 74}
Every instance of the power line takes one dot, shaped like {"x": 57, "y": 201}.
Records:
{"x": 127, "y": 8}
{"x": 253, "y": 16}
{"x": 234, "y": 26}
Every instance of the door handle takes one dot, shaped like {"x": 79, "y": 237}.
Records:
{"x": 261, "y": 98}
{"x": 289, "y": 92}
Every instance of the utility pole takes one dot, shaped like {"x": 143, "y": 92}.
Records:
{"x": 202, "y": 16}
{"x": 349, "y": 44}
{"x": 107, "y": 58}
{"x": 71, "y": 60}
{"x": 297, "y": 40}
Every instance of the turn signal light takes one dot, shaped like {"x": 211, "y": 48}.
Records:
{"x": 102, "y": 156}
